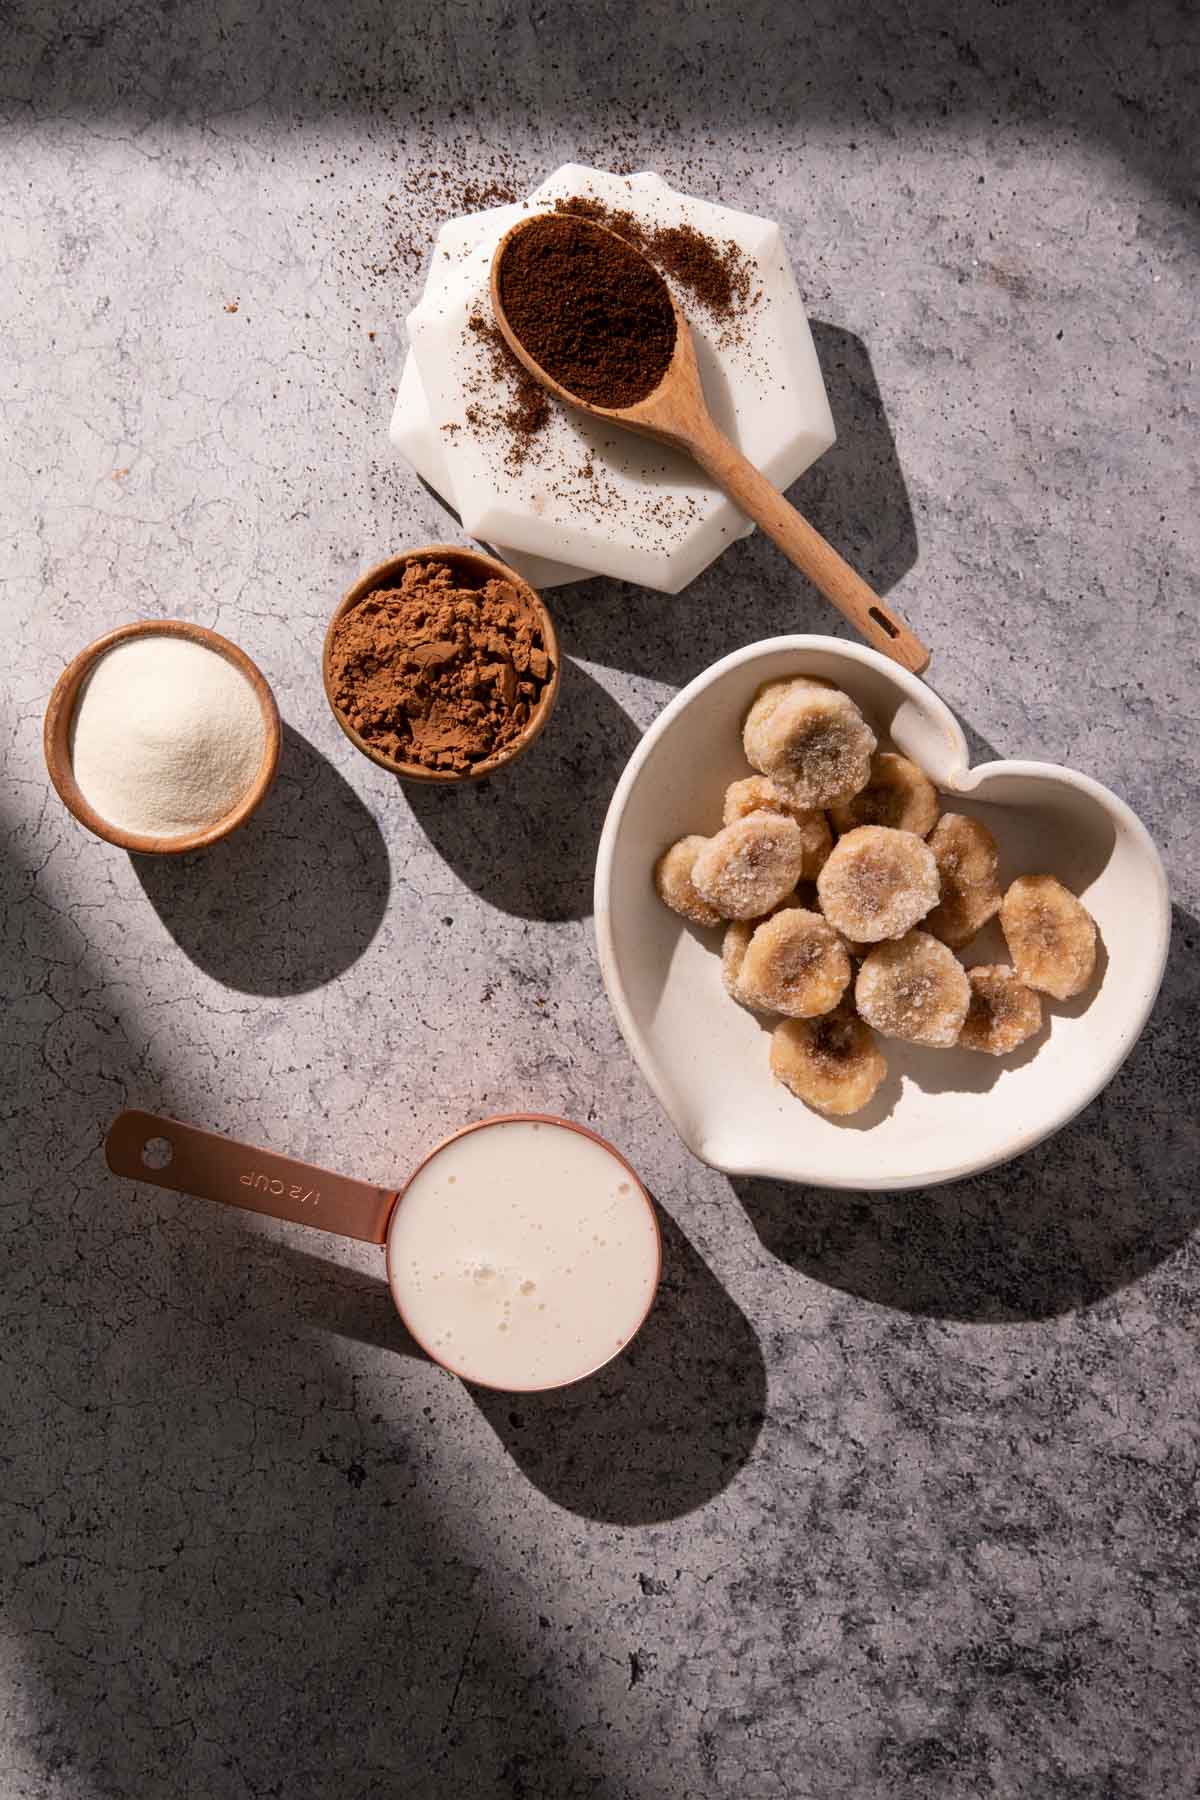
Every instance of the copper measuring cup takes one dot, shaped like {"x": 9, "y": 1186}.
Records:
{"x": 211, "y": 1167}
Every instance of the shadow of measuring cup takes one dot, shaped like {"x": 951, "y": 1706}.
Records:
{"x": 661, "y": 1430}
{"x": 655, "y": 1434}
{"x": 649, "y": 1436}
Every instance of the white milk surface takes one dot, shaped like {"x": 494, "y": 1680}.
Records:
{"x": 523, "y": 1255}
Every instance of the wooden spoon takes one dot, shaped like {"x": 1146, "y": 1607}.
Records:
{"x": 675, "y": 413}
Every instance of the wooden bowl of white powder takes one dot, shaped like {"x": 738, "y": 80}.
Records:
{"x": 162, "y": 737}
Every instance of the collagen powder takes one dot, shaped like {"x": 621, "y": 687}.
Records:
{"x": 168, "y": 737}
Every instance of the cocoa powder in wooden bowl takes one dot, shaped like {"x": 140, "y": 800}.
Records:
{"x": 441, "y": 664}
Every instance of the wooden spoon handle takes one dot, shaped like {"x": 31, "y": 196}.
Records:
{"x": 749, "y": 488}
{"x": 217, "y": 1168}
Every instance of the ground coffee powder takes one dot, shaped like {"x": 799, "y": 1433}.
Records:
{"x": 714, "y": 273}
{"x": 525, "y": 410}
{"x": 588, "y": 308}
{"x": 437, "y": 673}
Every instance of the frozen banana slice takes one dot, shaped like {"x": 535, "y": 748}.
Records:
{"x": 758, "y": 794}
{"x": 749, "y": 866}
{"x": 736, "y": 942}
{"x": 877, "y": 883}
{"x": 1003, "y": 1012}
{"x": 854, "y": 949}
{"x": 673, "y": 880}
{"x": 753, "y": 793}
{"x": 734, "y": 946}
{"x": 772, "y": 692}
{"x": 768, "y": 697}
{"x": 967, "y": 860}
{"x": 915, "y": 989}
{"x": 1051, "y": 937}
{"x": 811, "y": 741}
{"x": 794, "y": 964}
{"x": 832, "y": 1063}
{"x": 898, "y": 794}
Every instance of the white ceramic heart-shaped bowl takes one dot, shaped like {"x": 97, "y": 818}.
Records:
{"x": 940, "y": 1114}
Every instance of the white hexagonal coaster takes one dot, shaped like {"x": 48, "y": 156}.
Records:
{"x": 589, "y": 498}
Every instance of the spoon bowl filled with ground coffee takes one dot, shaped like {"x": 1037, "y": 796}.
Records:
{"x": 441, "y": 664}
{"x": 593, "y": 320}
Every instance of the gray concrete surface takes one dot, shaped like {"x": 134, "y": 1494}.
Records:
{"x": 896, "y": 1496}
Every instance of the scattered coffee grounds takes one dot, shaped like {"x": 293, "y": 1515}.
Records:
{"x": 589, "y": 309}
{"x": 715, "y": 274}
{"x": 421, "y": 199}
{"x": 437, "y": 673}
{"x": 527, "y": 410}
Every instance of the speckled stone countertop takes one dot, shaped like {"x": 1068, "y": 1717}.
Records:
{"x": 895, "y": 1496}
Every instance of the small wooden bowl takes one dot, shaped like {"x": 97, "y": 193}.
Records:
{"x": 60, "y": 714}
{"x": 474, "y": 570}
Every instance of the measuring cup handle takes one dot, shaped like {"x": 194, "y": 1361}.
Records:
{"x": 217, "y": 1168}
